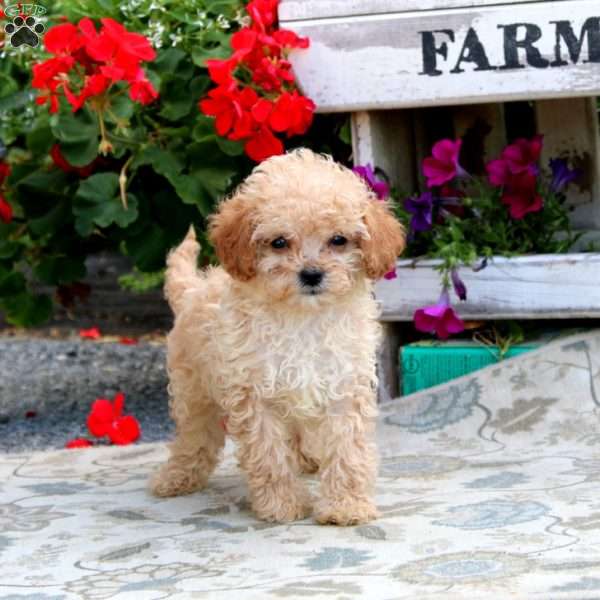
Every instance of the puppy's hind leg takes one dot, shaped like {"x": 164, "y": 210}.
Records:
{"x": 196, "y": 449}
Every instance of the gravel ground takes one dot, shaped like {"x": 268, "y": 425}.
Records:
{"x": 47, "y": 388}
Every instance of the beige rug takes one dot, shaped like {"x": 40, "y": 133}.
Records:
{"x": 489, "y": 489}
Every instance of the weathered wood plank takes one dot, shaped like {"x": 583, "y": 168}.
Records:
{"x": 385, "y": 140}
{"x": 529, "y": 287}
{"x": 457, "y": 56}
{"x": 300, "y": 10}
{"x": 570, "y": 128}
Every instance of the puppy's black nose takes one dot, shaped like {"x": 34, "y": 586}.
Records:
{"x": 311, "y": 277}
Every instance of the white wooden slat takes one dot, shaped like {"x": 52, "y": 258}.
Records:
{"x": 377, "y": 61}
{"x": 570, "y": 128}
{"x": 528, "y": 287}
{"x": 300, "y": 10}
{"x": 385, "y": 140}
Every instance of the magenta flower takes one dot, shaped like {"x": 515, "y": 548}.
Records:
{"x": 443, "y": 166}
{"x": 390, "y": 274}
{"x": 421, "y": 209}
{"x": 521, "y": 196}
{"x": 380, "y": 187}
{"x": 522, "y": 155}
{"x": 439, "y": 318}
{"x": 498, "y": 172}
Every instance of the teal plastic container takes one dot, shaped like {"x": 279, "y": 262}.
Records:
{"x": 425, "y": 364}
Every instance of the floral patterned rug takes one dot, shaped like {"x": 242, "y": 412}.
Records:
{"x": 489, "y": 489}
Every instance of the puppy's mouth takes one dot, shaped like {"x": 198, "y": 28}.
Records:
{"x": 311, "y": 291}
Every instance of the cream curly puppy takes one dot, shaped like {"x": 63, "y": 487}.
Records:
{"x": 281, "y": 341}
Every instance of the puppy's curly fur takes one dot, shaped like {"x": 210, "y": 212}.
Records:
{"x": 290, "y": 364}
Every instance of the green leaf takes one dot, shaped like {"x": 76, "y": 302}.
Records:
{"x": 121, "y": 107}
{"x": 230, "y": 147}
{"x": 148, "y": 248}
{"x": 164, "y": 162}
{"x": 55, "y": 270}
{"x": 215, "y": 180}
{"x": 97, "y": 202}
{"x": 78, "y": 134}
{"x": 168, "y": 60}
{"x": 40, "y": 140}
{"x": 11, "y": 282}
{"x": 26, "y": 310}
{"x": 175, "y": 99}
{"x": 190, "y": 190}
{"x": 52, "y": 221}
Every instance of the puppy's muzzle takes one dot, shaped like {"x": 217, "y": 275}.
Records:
{"x": 310, "y": 280}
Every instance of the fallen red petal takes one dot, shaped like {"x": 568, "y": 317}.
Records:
{"x": 78, "y": 443}
{"x": 93, "y": 333}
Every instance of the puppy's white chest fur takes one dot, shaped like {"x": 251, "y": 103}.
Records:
{"x": 304, "y": 364}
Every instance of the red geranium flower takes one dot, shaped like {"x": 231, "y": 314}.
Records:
{"x": 231, "y": 107}
{"x": 6, "y": 211}
{"x": 93, "y": 333}
{"x": 263, "y": 12}
{"x": 4, "y": 171}
{"x": 293, "y": 114}
{"x": 263, "y": 145}
{"x": 141, "y": 89}
{"x": 63, "y": 39}
{"x": 105, "y": 419}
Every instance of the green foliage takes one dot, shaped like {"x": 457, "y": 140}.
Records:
{"x": 166, "y": 168}
{"x": 484, "y": 228}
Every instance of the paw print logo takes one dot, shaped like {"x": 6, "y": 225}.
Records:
{"x": 24, "y": 31}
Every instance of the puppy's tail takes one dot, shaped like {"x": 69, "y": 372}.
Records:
{"x": 182, "y": 272}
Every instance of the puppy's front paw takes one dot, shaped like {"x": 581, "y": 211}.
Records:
{"x": 345, "y": 511}
{"x": 279, "y": 508}
{"x": 171, "y": 480}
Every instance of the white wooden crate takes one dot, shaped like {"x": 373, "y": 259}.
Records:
{"x": 395, "y": 64}
{"x": 483, "y": 53}
{"x": 525, "y": 287}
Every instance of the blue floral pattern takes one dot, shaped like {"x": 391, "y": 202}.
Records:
{"x": 488, "y": 489}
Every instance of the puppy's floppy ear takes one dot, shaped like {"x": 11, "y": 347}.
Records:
{"x": 230, "y": 232}
{"x": 385, "y": 241}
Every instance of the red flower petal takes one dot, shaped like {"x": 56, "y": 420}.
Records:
{"x": 93, "y": 333}
{"x": 263, "y": 145}
{"x": 124, "y": 430}
{"x": 62, "y": 39}
{"x": 128, "y": 341}
{"x": 118, "y": 402}
{"x": 6, "y": 211}
{"x": 101, "y": 417}
{"x": 78, "y": 443}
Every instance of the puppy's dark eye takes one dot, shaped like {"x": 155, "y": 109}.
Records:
{"x": 338, "y": 240}
{"x": 279, "y": 243}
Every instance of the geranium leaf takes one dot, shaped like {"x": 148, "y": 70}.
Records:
{"x": 26, "y": 310}
{"x": 55, "y": 270}
{"x": 97, "y": 202}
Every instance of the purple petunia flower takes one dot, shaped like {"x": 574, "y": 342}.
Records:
{"x": 561, "y": 174}
{"x": 421, "y": 209}
{"x": 459, "y": 285}
{"x": 366, "y": 172}
{"x": 439, "y": 318}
